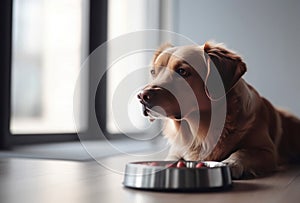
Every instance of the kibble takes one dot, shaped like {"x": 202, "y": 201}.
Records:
{"x": 200, "y": 165}
{"x": 180, "y": 164}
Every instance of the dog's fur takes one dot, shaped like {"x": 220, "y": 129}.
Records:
{"x": 256, "y": 137}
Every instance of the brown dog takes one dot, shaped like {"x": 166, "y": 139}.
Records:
{"x": 254, "y": 137}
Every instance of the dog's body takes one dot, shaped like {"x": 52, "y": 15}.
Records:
{"x": 256, "y": 137}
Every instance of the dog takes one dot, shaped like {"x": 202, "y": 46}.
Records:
{"x": 255, "y": 137}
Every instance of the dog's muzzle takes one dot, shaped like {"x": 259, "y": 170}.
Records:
{"x": 158, "y": 102}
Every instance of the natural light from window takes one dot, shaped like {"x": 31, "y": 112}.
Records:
{"x": 49, "y": 45}
{"x": 124, "y": 17}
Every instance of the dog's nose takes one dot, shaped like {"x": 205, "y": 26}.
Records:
{"x": 148, "y": 93}
{"x": 145, "y": 95}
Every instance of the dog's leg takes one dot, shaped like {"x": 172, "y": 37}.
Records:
{"x": 251, "y": 163}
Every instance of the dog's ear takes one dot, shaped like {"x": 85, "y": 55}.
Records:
{"x": 228, "y": 64}
{"x": 160, "y": 50}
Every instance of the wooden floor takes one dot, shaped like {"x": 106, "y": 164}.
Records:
{"x": 43, "y": 181}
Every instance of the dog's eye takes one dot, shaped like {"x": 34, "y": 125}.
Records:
{"x": 152, "y": 72}
{"x": 182, "y": 72}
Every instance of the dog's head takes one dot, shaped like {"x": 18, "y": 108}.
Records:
{"x": 181, "y": 76}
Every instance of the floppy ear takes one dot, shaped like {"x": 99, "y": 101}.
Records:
{"x": 160, "y": 50}
{"x": 228, "y": 64}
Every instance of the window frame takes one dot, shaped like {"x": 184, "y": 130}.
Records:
{"x": 97, "y": 35}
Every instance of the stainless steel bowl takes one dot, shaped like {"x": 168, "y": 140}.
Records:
{"x": 155, "y": 175}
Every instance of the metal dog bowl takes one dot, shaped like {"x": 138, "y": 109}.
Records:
{"x": 166, "y": 176}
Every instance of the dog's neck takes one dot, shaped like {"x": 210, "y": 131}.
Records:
{"x": 198, "y": 122}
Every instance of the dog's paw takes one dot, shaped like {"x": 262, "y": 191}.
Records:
{"x": 236, "y": 168}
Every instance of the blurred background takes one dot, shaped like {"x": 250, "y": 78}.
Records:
{"x": 46, "y": 43}
{"x": 51, "y": 41}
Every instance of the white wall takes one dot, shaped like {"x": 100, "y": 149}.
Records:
{"x": 265, "y": 32}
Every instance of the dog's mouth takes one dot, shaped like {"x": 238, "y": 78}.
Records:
{"x": 145, "y": 110}
{"x": 157, "y": 112}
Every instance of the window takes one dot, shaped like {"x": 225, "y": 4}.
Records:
{"x": 49, "y": 44}
{"x": 73, "y": 28}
